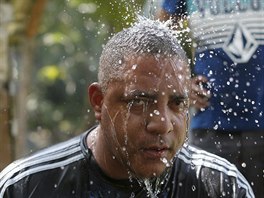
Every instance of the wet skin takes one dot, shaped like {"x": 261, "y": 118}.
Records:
{"x": 143, "y": 118}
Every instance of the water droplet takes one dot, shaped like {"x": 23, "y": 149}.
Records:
{"x": 132, "y": 195}
{"x": 216, "y": 127}
{"x": 244, "y": 165}
{"x": 165, "y": 161}
{"x": 156, "y": 112}
{"x": 193, "y": 188}
{"x": 134, "y": 66}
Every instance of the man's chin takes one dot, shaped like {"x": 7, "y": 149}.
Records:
{"x": 150, "y": 172}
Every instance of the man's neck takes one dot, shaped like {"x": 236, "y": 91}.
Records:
{"x": 110, "y": 165}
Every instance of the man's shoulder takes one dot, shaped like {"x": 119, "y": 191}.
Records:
{"x": 212, "y": 171}
{"x": 199, "y": 157}
{"x": 50, "y": 158}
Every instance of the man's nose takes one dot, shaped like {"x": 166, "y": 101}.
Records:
{"x": 159, "y": 121}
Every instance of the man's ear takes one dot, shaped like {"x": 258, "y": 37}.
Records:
{"x": 96, "y": 99}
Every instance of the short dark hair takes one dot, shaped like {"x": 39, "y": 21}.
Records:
{"x": 146, "y": 36}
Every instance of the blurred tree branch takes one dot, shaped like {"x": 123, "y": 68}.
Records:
{"x": 5, "y": 135}
{"x": 18, "y": 35}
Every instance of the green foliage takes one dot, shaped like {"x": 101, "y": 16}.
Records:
{"x": 67, "y": 53}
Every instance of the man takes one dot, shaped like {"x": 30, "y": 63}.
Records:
{"x": 228, "y": 90}
{"x": 137, "y": 150}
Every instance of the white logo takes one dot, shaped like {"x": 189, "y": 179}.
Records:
{"x": 241, "y": 45}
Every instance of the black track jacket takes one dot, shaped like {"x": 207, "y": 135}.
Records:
{"x": 69, "y": 170}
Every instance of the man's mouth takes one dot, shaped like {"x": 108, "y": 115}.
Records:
{"x": 155, "y": 152}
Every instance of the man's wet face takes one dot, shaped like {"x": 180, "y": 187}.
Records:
{"x": 144, "y": 115}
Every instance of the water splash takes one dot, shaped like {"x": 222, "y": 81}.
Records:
{"x": 166, "y": 162}
{"x": 152, "y": 191}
